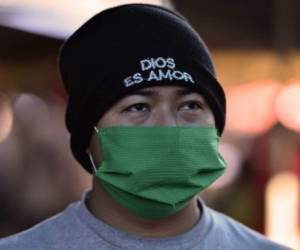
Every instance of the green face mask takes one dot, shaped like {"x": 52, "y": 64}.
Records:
{"x": 155, "y": 171}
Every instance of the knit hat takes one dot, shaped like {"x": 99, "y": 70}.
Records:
{"x": 126, "y": 48}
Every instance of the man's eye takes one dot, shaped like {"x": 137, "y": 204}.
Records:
{"x": 138, "y": 107}
{"x": 192, "y": 105}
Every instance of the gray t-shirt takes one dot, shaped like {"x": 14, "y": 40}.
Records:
{"x": 77, "y": 228}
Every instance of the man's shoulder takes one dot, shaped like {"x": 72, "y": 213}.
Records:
{"x": 238, "y": 235}
{"x": 43, "y": 235}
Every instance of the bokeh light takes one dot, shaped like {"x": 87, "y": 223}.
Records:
{"x": 288, "y": 106}
{"x": 6, "y": 117}
{"x": 251, "y": 107}
{"x": 282, "y": 196}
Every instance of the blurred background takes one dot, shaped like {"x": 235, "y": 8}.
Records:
{"x": 255, "y": 46}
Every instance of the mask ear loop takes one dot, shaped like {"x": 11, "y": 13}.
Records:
{"x": 91, "y": 157}
{"x": 93, "y": 164}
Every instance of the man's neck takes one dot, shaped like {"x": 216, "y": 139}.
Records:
{"x": 104, "y": 207}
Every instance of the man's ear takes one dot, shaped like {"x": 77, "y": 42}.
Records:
{"x": 93, "y": 150}
{"x": 92, "y": 162}
{"x": 92, "y": 158}
{"x": 88, "y": 151}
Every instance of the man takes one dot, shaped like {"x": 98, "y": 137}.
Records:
{"x": 145, "y": 113}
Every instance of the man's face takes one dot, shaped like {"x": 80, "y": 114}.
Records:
{"x": 156, "y": 106}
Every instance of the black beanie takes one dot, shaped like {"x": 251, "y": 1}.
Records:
{"x": 126, "y": 48}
